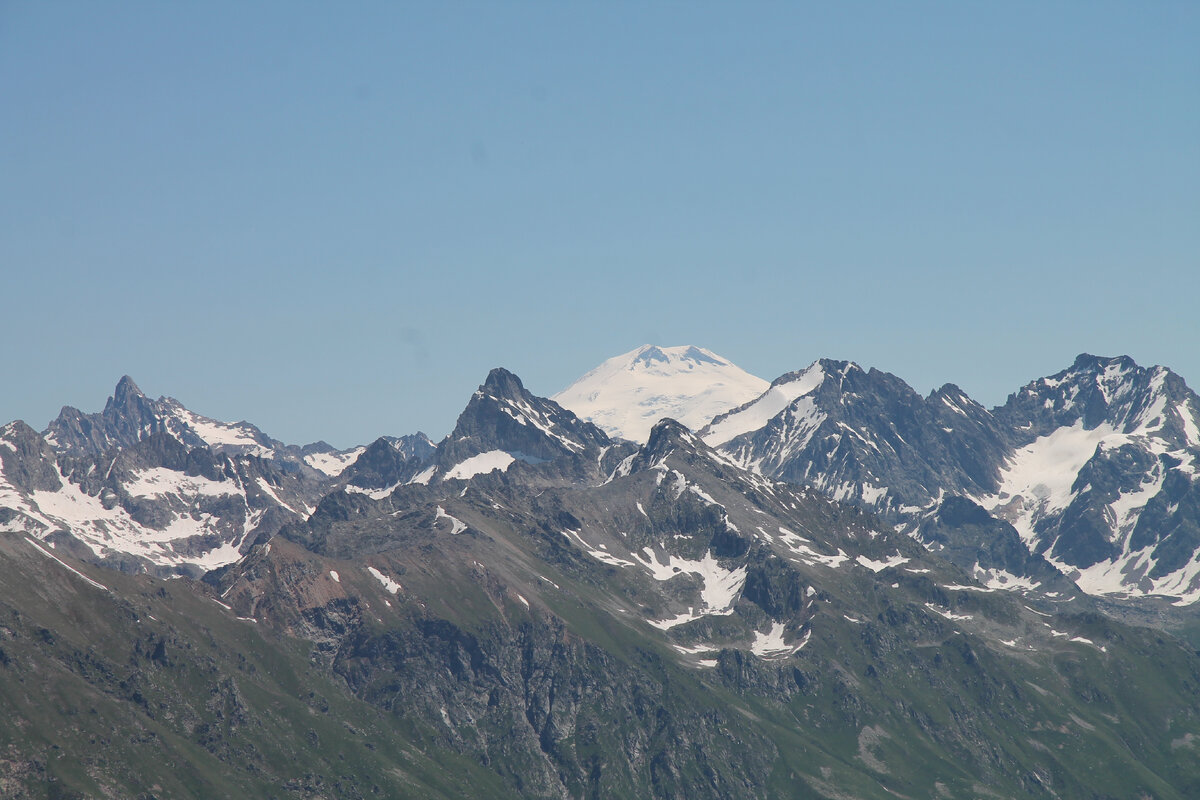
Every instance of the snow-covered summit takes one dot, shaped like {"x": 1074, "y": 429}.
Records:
{"x": 628, "y": 393}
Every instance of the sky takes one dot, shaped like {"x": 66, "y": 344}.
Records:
{"x": 333, "y": 219}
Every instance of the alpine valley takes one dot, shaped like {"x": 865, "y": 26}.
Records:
{"x": 673, "y": 579}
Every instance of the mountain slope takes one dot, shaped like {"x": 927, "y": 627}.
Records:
{"x": 126, "y": 686}
{"x": 542, "y": 612}
{"x": 154, "y": 505}
{"x": 628, "y": 393}
{"x": 864, "y": 436}
{"x": 129, "y": 416}
{"x": 1102, "y": 477}
{"x": 681, "y": 627}
{"x": 149, "y": 485}
{"x": 1095, "y": 466}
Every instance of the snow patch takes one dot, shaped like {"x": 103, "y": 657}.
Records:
{"x": 219, "y": 434}
{"x": 596, "y": 553}
{"x": 457, "y": 526}
{"x": 696, "y": 490}
{"x": 947, "y": 614}
{"x": 159, "y": 481}
{"x": 879, "y": 566}
{"x": 481, "y": 464}
{"x": 387, "y": 582}
{"x": 333, "y": 464}
{"x": 802, "y": 552}
{"x": 1001, "y": 579}
{"x": 1190, "y": 428}
{"x": 772, "y": 645}
{"x": 374, "y": 494}
{"x": 721, "y": 586}
{"x": 423, "y": 476}
{"x": 1037, "y": 479}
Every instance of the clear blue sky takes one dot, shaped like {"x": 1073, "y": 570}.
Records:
{"x": 333, "y": 219}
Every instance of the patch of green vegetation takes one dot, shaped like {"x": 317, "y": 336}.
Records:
{"x": 153, "y": 690}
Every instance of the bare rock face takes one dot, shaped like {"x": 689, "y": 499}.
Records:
{"x": 503, "y": 415}
{"x": 865, "y": 437}
{"x": 128, "y": 416}
{"x": 149, "y": 485}
{"x": 503, "y": 423}
{"x": 1094, "y": 468}
{"x": 1126, "y": 498}
{"x": 28, "y": 462}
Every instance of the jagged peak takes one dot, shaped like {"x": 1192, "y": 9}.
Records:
{"x": 1087, "y": 361}
{"x": 503, "y": 384}
{"x": 837, "y": 365}
{"x": 504, "y": 416}
{"x": 780, "y": 395}
{"x": 951, "y": 391}
{"x": 667, "y": 436}
{"x": 126, "y": 397}
{"x": 1097, "y": 390}
{"x": 1093, "y": 369}
{"x": 17, "y": 429}
{"x": 817, "y": 367}
{"x": 381, "y": 445}
{"x": 126, "y": 389}
{"x": 668, "y": 429}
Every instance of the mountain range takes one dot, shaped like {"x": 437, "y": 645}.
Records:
{"x": 1092, "y": 470}
{"x": 671, "y": 580}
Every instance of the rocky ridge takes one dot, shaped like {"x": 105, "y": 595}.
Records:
{"x": 1093, "y": 467}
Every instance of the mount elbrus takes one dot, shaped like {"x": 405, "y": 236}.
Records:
{"x": 825, "y": 586}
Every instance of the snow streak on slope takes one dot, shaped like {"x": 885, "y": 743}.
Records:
{"x": 627, "y": 394}
{"x": 758, "y": 413}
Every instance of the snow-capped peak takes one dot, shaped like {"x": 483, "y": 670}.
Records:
{"x": 628, "y": 393}
{"x": 190, "y": 428}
